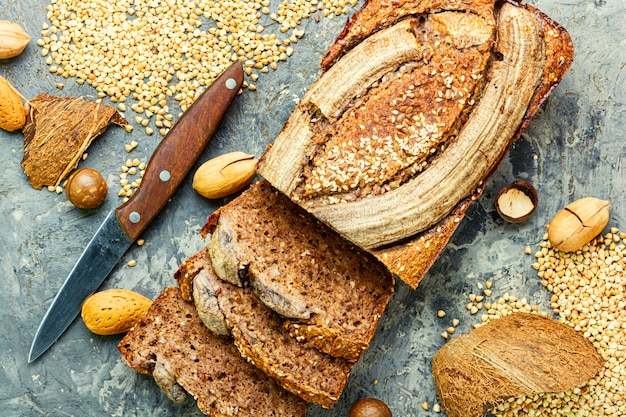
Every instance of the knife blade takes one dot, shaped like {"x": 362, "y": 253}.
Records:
{"x": 168, "y": 166}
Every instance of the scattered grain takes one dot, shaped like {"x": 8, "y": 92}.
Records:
{"x": 156, "y": 52}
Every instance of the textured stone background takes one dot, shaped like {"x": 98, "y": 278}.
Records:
{"x": 578, "y": 138}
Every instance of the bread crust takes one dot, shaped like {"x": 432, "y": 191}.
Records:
{"x": 410, "y": 260}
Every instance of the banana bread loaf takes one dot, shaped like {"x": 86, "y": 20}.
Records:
{"x": 418, "y": 103}
{"x": 171, "y": 344}
{"x": 332, "y": 292}
{"x": 260, "y": 335}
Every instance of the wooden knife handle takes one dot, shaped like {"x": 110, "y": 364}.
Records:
{"x": 178, "y": 152}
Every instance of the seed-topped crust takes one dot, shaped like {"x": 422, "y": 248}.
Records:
{"x": 389, "y": 202}
{"x": 390, "y": 132}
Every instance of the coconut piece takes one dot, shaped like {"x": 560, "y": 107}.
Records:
{"x": 519, "y": 354}
{"x": 57, "y": 133}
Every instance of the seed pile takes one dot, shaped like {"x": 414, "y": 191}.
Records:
{"x": 589, "y": 294}
{"x": 157, "y": 52}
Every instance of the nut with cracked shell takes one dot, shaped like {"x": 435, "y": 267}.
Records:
{"x": 578, "y": 223}
{"x": 517, "y": 201}
{"x": 224, "y": 175}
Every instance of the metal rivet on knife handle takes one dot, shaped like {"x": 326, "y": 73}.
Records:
{"x": 165, "y": 175}
{"x": 231, "y": 83}
{"x": 134, "y": 217}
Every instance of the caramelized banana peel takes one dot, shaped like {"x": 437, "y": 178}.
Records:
{"x": 515, "y": 71}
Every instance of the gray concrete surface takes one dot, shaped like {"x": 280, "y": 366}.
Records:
{"x": 577, "y": 138}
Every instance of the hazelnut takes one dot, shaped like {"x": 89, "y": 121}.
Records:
{"x": 517, "y": 201}
{"x": 86, "y": 188}
{"x": 369, "y": 407}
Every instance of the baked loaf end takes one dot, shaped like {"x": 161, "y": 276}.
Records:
{"x": 332, "y": 292}
{"x": 171, "y": 344}
{"x": 261, "y": 337}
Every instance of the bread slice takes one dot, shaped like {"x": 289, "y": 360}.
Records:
{"x": 332, "y": 292}
{"x": 260, "y": 335}
{"x": 171, "y": 344}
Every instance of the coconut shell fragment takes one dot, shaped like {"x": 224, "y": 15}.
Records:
{"x": 519, "y": 354}
{"x": 57, "y": 133}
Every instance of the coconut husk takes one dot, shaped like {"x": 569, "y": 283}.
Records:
{"x": 519, "y": 354}
{"x": 57, "y": 133}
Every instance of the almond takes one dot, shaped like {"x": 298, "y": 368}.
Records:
{"x": 13, "y": 39}
{"x": 113, "y": 311}
{"x": 12, "y": 112}
{"x": 224, "y": 175}
{"x": 578, "y": 223}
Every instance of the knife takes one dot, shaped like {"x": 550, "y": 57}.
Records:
{"x": 168, "y": 166}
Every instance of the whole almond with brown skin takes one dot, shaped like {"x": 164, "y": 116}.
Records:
{"x": 13, "y": 39}
{"x": 224, "y": 175}
{"x": 12, "y": 112}
{"x": 578, "y": 223}
{"x": 113, "y": 311}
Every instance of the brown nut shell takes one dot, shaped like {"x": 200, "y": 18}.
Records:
{"x": 578, "y": 223}
{"x": 517, "y": 202}
{"x": 369, "y": 407}
{"x": 12, "y": 111}
{"x": 86, "y": 188}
